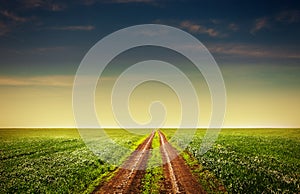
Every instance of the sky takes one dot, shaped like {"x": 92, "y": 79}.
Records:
{"x": 255, "y": 43}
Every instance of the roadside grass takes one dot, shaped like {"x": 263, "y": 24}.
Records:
{"x": 137, "y": 136}
{"x": 251, "y": 160}
{"x": 209, "y": 182}
{"x": 55, "y": 160}
{"x": 207, "y": 179}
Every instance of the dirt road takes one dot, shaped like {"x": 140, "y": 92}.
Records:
{"x": 128, "y": 177}
{"x": 178, "y": 177}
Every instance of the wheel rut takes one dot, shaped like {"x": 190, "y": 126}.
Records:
{"x": 177, "y": 175}
{"x": 129, "y": 176}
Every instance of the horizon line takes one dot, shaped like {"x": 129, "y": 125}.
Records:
{"x": 200, "y": 127}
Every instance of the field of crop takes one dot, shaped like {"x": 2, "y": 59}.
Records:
{"x": 54, "y": 160}
{"x": 241, "y": 161}
{"x": 251, "y": 160}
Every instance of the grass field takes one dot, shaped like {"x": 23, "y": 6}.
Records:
{"x": 54, "y": 160}
{"x": 57, "y": 160}
{"x": 251, "y": 160}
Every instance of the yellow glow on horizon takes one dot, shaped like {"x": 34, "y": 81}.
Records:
{"x": 51, "y": 106}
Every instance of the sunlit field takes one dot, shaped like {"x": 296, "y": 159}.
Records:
{"x": 251, "y": 160}
{"x": 241, "y": 161}
{"x": 54, "y": 160}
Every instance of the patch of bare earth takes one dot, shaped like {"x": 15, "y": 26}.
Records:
{"x": 178, "y": 177}
{"x": 129, "y": 176}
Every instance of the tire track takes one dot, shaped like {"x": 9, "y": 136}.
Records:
{"x": 178, "y": 177}
{"x": 128, "y": 177}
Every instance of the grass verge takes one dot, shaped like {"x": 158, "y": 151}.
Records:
{"x": 153, "y": 179}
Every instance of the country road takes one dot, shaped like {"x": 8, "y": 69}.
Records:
{"x": 177, "y": 175}
{"x": 128, "y": 177}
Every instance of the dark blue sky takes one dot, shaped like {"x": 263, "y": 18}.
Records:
{"x": 51, "y": 37}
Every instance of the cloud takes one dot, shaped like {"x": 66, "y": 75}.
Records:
{"x": 233, "y": 27}
{"x": 249, "y": 50}
{"x": 88, "y": 2}
{"x": 152, "y": 33}
{"x": 199, "y": 29}
{"x": 259, "y": 24}
{"x": 132, "y": 1}
{"x": 91, "y": 2}
{"x": 13, "y": 16}
{"x": 4, "y": 29}
{"x": 51, "y": 80}
{"x": 236, "y": 49}
{"x": 74, "y": 28}
{"x": 291, "y": 16}
{"x": 216, "y": 21}
{"x": 49, "y": 49}
{"x": 288, "y": 16}
{"x": 14, "y": 20}
{"x": 44, "y": 4}
{"x": 35, "y": 51}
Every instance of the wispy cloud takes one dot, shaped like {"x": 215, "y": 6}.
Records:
{"x": 152, "y": 33}
{"x": 74, "y": 28}
{"x": 287, "y": 16}
{"x": 41, "y": 51}
{"x": 260, "y": 24}
{"x": 4, "y": 29}
{"x": 291, "y": 16}
{"x": 51, "y": 80}
{"x": 87, "y": 2}
{"x": 200, "y": 29}
{"x": 13, "y": 16}
{"x": 233, "y": 27}
{"x": 49, "y": 49}
{"x": 44, "y": 4}
{"x": 14, "y": 20}
{"x": 132, "y": 1}
{"x": 236, "y": 49}
{"x": 91, "y": 2}
{"x": 248, "y": 50}
{"x": 216, "y": 21}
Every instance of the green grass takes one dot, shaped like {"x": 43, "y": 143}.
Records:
{"x": 209, "y": 182}
{"x": 55, "y": 160}
{"x": 252, "y": 160}
{"x": 154, "y": 174}
{"x": 58, "y": 161}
